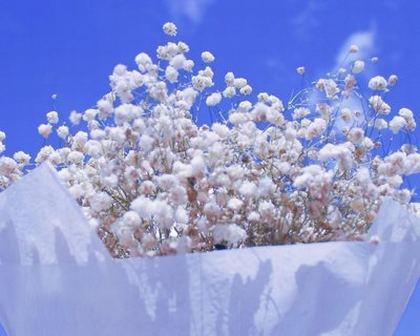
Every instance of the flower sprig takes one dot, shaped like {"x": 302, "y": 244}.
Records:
{"x": 154, "y": 182}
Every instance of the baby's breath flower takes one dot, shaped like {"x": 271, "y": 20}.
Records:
{"x": 207, "y": 57}
{"x": 329, "y": 86}
{"x": 178, "y": 61}
{"x": 229, "y": 92}
{"x": 356, "y": 135}
{"x": 21, "y": 158}
{"x": 214, "y": 99}
{"x": 171, "y": 74}
{"x": 378, "y": 83}
{"x": 239, "y": 83}
{"x": 52, "y": 117}
{"x": 75, "y": 117}
{"x": 75, "y": 157}
{"x": 45, "y": 130}
{"x": 358, "y": 67}
{"x": 229, "y": 78}
{"x": 170, "y": 29}
{"x": 155, "y": 182}
{"x": 188, "y": 65}
{"x": 353, "y": 49}
{"x": 143, "y": 61}
{"x": 246, "y": 90}
{"x": 300, "y": 112}
{"x": 380, "y": 123}
{"x": 392, "y": 80}
{"x": 379, "y": 105}
{"x": 405, "y": 113}
{"x": 374, "y": 60}
{"x": 63, "y": 132}
{"x": 397, "y": 123}
{"x": 300, "y": 70}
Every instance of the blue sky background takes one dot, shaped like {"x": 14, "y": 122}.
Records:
{"x": 69, "y": 47}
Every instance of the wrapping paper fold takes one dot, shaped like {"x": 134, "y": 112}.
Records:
{"x": 56, "y": 278}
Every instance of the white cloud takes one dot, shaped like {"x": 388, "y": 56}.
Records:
{"x": 307, "y": 20}
{"x": 365, "y": 40}
{"x": 193, "y": 10}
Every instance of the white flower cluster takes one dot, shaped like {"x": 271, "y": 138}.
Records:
{"x": 154, "y": 182}
{"x": 11, "y": 168}
{"x": 170, "y": 29}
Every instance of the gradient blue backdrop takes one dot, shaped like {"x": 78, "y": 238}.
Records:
{"x": 69, "y": 47}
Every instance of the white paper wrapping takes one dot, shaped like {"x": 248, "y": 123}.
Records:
{"x": 57, "y": 279}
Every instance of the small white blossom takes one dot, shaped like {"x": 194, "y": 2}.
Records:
{"x": 44, "y": 153}
{"x": 397, "y": 123}
{"x": 90, "y": 114}
{"x": 178, "y": 61}
{"x": 392, "y": 80}
{"x": 378, "y": 83}
{"x": 329, "y": 86}
{"x": 300, "y": 70}
{"x": 229, "y": 78}
{"x": 171, "y": 74}
{"x": 170, "y": 29}
{"x": 75, "y": 157}
{"x": 406, "y": 113}
{"x": 374, "y": 60}
{"x": 183, "y": 47}
{"x": 358, "y": 66}
{"x": 380, "y": 123}
{"x": 229, "y": 92}
{"x": 266, "y": 210}
{"x": 246, "y": 90}
{"x": 143, "y": 61}
{"x": 248, "y": 189}
{"x": 316, "y": 128}
{"x": 221, "y": 130}
{"x": 7, "y": 166}
{"x": 234, "y": 204}
{"x": 356, "y": 135}
{"x": 131, "y": 220}
{"x": 75, "y": 117}
{"x": 379, "y": 105}
{"x": 300, "y": 112}
{"x": 45, "y": 130}
{"x": 353, "y": 49}
{"x": 207, "y": 57}
{"x": 21, "y": 157}
{"x": 52, "y": 117}
{"x": 230, "y": 233}
{"x": 105, "y": 108}
{"x": 63, "y": 132}
{"x": 240, "y": 82}
{"x": 100, "y": 201}
{"x": 198, "y": 166}
{"x": 214, "y": 99}
{"x": 188, "y": 65}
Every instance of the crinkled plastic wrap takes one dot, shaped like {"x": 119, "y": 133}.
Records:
{"x": 57, "y": 279}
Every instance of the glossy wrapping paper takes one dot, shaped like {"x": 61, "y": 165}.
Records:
{"x": 56, "y": 278}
